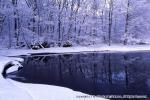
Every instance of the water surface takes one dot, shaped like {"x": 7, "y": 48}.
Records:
{"x": 91, "y": 73}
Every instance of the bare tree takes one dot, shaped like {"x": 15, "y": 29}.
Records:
{"x": 103, "y": 21}
{"x": 61, "y": 5}
{"x": 2, "y": 18}
{"x": 126, "y": 23}
{"x": 110, "y": 21}
{"x": 16, "y": 21}
{"x": 70, "y": 19}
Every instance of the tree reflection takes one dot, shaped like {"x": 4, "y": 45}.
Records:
{"x": 93, "y": 73}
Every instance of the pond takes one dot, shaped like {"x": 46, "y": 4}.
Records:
{"x": 91, "y": 73}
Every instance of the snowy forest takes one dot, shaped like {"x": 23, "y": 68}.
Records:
{"x": 66, "y": 23}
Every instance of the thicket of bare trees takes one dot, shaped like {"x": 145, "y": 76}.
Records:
{"x": 46, "y": 23}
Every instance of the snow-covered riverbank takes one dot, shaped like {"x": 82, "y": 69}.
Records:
{"x": 102, "y": 48}
{"x": 9, "y": 91}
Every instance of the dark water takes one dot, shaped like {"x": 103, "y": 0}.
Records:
{"x": 91, "y": 73}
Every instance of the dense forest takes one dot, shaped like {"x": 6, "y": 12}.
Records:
{"x": 63, "y": 23}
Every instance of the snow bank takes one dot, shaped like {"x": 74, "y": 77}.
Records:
{"x": 102, "y": 48}
{"x": 12, "y": 90}
{"x": 46, "y": 92}
{"x": 9, "y": 91}
{"x": 5, "y": 60}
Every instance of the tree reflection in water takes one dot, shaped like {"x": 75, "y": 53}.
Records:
{"x": 92, "y": 73}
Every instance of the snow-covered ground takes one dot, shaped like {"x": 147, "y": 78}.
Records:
{"x": 12, "y": 90}
{"x": 101, "y": 48}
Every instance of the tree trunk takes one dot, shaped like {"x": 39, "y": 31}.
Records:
{"x": 110, "y": 21}
{"x": 127, "y": 23}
